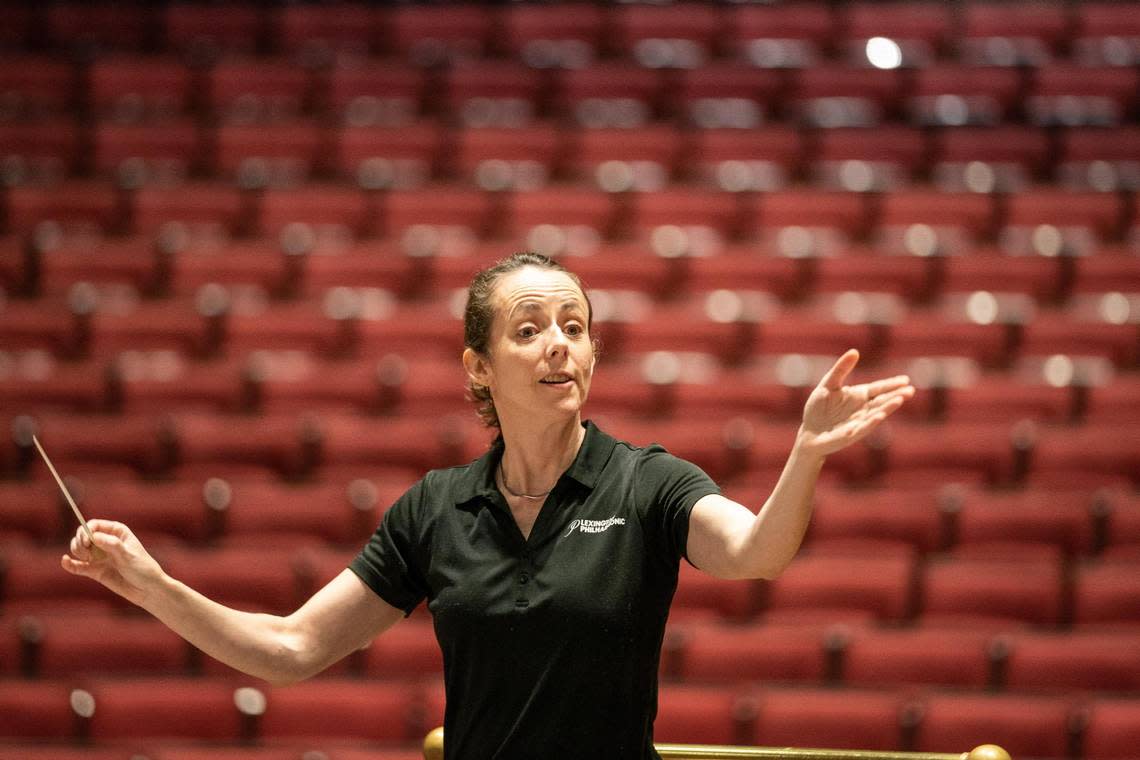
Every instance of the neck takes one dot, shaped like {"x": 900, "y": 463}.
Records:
{"x": 534, "y": 459}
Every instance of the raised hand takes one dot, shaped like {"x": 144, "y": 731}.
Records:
{"x": 837, "y": 415}
{"x": 117, "y": 560}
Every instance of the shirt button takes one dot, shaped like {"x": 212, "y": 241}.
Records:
{"x": 524, "y": 578}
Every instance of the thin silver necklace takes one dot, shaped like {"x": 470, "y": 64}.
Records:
{"x": 503, "y": 479}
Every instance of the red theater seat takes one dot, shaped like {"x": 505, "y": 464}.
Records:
{"x": 164, "y": 708}
{"x": 168, "y": 152}
{"x": 408, "y": 650}
{"x": 585, "y": 216}
{"x": 36, "y": 86}
{"x": 950, "y": 657}
{"x": 256, "y": 90}
{"x": 992, "y": 588}
{"x": 442, "y": 207}
{"x": 131, "y": 89}
{"x": 331, "y": 211}
{"x": 117, "y": 645}
{"x": 552, "y": 36}
{"x": 522, "y": 158}
{"x": 491, "y": 94}
{"x": 212, "y": 29}
{"x": 950, "y": 95}
{"x": 285, "y": 154}
{"x": 75, "y": 26}
{"x": 1107, "y": 593}
{"x": 1068, "y": 94}
{"x": 753, "y": 652}
{"x": 1013, "y": 156}
{"x": 334, "y": 709}
{"x": 700, "y": 715}
{"x": 212, "y": 208}
{"x": 1033, "y": 32}
{"x": 616, "y": 94}
{"x": 846, "y": 719}
{"x": 1058, "y": 518}
{"x": 830, "y": 95}
{"x": 909, "y": 515}
{"x": 650, "y": 153}
{"x": 174, "y": 510}
{"x": 959, "y": 220}
{"x": 892, "y": 156}
{"x": 353, "y": 30}
{"x": 375, "y": 92}
{"x": 388, "y": 156}
{"x": 732, "y": 600}
{"x": 41, "y": 151}
{"x": 792, "y": 35}
{"x": 1084, "y": 152}
{"x": 765, "y": 158}
{"x": 881, "y": 585}
{"x": 430, "y": 35}
{"x": 1075, "y": 661}
{"x": 267, "y": 581}
{"x": 1112, "y": 729}
{"x": 922, "y": 30}
{"x": 75, "y": 205}
{"x": 1029, "y": 726}
{"x": 732, "y": 95}
{"x": 683, "y": 35}
{"x": 36, "y": 710}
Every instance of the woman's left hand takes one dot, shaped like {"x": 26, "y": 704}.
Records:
{"x": 837, "y": 415}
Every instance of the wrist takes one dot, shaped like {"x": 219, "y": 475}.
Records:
{"x": 805, "y": 448}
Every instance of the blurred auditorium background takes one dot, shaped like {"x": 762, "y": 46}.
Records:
{"x": 234, "y": 239}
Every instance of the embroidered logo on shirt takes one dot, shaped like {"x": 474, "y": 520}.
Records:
{"x": 594, "y": 526}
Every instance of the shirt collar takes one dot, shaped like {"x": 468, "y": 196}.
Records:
{"x": 479, "y": 478}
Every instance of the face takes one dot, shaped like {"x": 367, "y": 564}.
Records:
{"x": 541, "y": 358}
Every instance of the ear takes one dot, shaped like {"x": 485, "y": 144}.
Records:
{"x": 477, "y": 367}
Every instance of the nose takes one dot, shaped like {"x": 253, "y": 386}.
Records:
{"x": 558, "y": 343}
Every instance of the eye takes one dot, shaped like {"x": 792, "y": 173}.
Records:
{"x": 527, "y": 331}
{"x": 574, "y": 329}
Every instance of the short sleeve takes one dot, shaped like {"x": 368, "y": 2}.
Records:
{"x": 392, "y": 562}
{"x": 671, "y": 486}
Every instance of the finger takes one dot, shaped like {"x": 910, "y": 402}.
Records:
{"x": 78, "y": 550}
{"x": 901, "y": 395}
{"x": 108, "y": 543}
{"x": 886, "y": 385}
{"x": 839, "y": 371}
{"x": 77, "y": 567}
{"x": 109, "y": 526}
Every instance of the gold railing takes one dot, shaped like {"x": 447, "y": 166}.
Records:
{"x": 433, "y": 750}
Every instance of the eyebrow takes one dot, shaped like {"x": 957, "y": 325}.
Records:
{"x": 530, "y": 305}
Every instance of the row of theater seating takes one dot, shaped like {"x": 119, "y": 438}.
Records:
{"x": 115, "y": 714}
{"x": 125, "y": 90}
{"x": 233, "y": 326}
{"x": 302, "y": 445}
{"x": 997, "y": 583}
{"x": 1055, "y": 521}
{"x": 1049, "y": 390}
{"x": 993, "y": 657}
{"x": 1006, "y": 159}
{"x": 674, "y": 222}
{"x": 669, "y": 34}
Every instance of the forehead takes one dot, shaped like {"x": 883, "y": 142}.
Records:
{"x": 534, "y": 284}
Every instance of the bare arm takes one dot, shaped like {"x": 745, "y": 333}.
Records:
{"x": 728, "y": 541}
{"x": 340, "y": 618}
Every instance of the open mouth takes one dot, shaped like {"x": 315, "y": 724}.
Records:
{"x": 556, "y": 379}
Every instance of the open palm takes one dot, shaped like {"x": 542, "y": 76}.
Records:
{"x": 837, "y": 415}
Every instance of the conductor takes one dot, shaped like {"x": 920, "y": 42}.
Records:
{"x": 548, "y": 564}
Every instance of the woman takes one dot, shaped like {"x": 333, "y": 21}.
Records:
{"x": 548, "y": 564}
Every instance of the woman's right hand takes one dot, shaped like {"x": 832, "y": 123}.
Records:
{"x": 117, "y": 560}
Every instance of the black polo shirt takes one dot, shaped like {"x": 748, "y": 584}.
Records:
{"x": 550, "y": 644}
